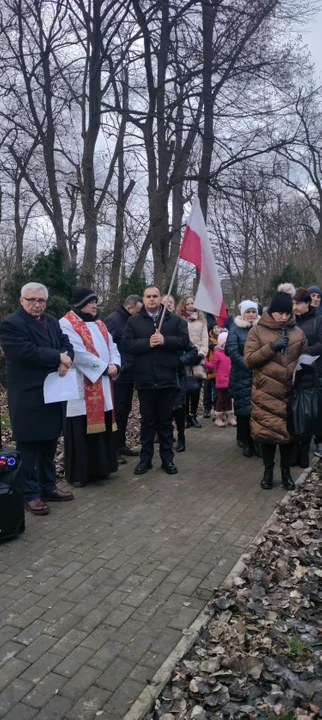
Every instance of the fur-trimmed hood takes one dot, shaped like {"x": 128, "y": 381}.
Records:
{"x": 244, "y": 323}
{"x": 287, "y": 288}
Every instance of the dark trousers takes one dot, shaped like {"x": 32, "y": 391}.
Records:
{"x": 123, "y": 395}
{"x": 38, "y": 472}
{"x": 156, "y": 408}
{"x": 179, "y": 415}
{"x": 268, "y": 454}
{"x": 223, "y": 401}
{"x": 243, "y": 429}
{"x": 209, "y": 395}
{"x": 192, "y": 402}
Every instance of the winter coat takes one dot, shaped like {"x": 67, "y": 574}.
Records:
{"x": 240, "y": 384}
{"x": 221, "y": 365}
{"x": 115, "y": 323}
{"x": 272, "y": 377}
{"x": 198, "y": 334}
{"x": 187, "y": 358}
{"x": 311, "y": 324}
{"x": 32, "y": 352}
{"x": 155, "y": 367}
{"x": 213, "y": 342}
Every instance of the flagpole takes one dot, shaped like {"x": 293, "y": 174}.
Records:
{"x": 165, "y": 307}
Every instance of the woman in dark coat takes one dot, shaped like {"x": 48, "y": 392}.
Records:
{"x": 310, "y": 321}
{"x": 240, "y": 383}
{"x": 272, "y": 350}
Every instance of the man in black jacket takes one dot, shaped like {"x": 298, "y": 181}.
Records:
{"x": 156, "y": 360}
{"x": 35, "y": 346}
{"x": 124, "y": 385}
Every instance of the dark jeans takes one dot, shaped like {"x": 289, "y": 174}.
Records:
{"x": 243, "y": 429}
{"x": 268, "y": 453}
{"x": 38, "y": 472}
{"x": 123, "y": 395}
{"x": 209, "y": 395}
{"x": 193, "y": 398}
{"x": 156, "y": 408}
{"x": 223, "y": 401}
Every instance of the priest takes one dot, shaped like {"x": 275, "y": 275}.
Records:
{"x": 90, "y": 449}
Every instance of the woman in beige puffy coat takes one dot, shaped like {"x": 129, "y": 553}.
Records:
{"x": 198, "y": 333}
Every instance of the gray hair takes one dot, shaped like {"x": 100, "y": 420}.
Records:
{"x": 132, "y": 301}
{"x": 34, "y": 286}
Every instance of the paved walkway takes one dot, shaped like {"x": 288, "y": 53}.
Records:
{"x": 94, "y": 597}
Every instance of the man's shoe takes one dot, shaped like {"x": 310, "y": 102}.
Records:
{"x": 58, "y": 496}
{"x": 142, "y": 468}
{"x": 188, "y": 422}
{"x": 169, "y": 468}
{"x": 120, "y": 459}
{"x": 247, "y": 451}
{"x": 207, "y": 414}
{"x": 287, "y": 480}
{"x": 240, "y": 443}
{"x": 180, "y": 447}
{"x": 267, "y": 481}
{"x": 128, "y": 452}
{"x": 37, "y": 507}
{"x": 318, "y": 450}
{"x": 194, "y": 422}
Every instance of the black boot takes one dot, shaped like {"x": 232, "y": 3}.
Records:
{"x": 267, "y": 481}
{"x": 195, "y": 422}
{"x": 181, "y": 445}
{"x": 188, "y": 422}
{"x": 257, "y": 450}
{"x": 247, "y": 450}
{"x": 287, "y": 480}
{"x": 304, "y": 459}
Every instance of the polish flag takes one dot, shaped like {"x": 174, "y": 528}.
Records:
{"x": 196, "y": 249}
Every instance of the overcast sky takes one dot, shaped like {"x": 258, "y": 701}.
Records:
{"x": 313, "y": 39}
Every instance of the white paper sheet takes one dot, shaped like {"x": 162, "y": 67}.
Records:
{"x": 60, "y": 389}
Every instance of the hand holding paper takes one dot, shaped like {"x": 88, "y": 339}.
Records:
{"x": 59, "y": 388}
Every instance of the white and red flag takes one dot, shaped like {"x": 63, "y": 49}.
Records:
{"x": 196, "y": 249}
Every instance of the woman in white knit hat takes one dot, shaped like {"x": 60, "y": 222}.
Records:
{"x": 241, "y": 378}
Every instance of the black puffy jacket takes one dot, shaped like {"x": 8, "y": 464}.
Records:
{"x": 155, "y": 367}
{"x": 115, "y": 323}
{"x": 311, "y": 324}
{"x": 240, "y": 383}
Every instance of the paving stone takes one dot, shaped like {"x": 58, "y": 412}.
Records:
{"x": 57, "y": 611}
{"x": 37, "y": 648}
{"x": 31, "y": 632}
{"x": 142, "y": 674}
{"x": 98, "y": 637}
{"x": 21, "y": 712}
{"x": 69, "y": 569}
{"x": 89, "y": 704}
{"x": 115, "y": 675}
{"x": 10, "y": 671}
{"x": 106, "y": 654}
{"x": 78, "y": 657}
{"x": 12, "y": 694}
{"x": 119, "y": 616}
{"x": 80, "y": 682}
{"x": 39, "y": 669}
{"x": 45, "y": 690}
{"x": 7, "y": 633}
{"x": 9, "y": 650}
{"x": 71, "y": 640}
{"x": 121, "y": 700}
{"x": 62, "y": 626}
{"x": 93, "y": 619}
{"x": 56, "y": 709}
{"x": 184, "y": 618}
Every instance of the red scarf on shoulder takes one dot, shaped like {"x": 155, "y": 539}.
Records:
{"x": 94, "y": 396}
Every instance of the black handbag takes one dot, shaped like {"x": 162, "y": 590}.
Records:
{"x": 306, "y": 404}
{"x": 193, "y": 383}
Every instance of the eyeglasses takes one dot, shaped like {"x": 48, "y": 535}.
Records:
{"x": 151, "y": 296}
{"x": 34, "y": 301}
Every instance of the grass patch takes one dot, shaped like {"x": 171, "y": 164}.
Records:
{"x": 296, "y": 648}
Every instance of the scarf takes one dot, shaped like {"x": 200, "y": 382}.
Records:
{"x": 94, "y": 396}
{"x": 191, "y": 317}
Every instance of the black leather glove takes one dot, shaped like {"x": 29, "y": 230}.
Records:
{"x": 280, "y": 344}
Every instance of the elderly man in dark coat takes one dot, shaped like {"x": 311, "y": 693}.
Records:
{"x": 124, "y": 384}
{"x": 35, "y": 346}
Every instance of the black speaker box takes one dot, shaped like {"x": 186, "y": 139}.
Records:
{"x": 12, "y": 506}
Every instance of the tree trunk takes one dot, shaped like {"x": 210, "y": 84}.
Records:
{"x": 19, "y": 231}
{"x": 208, "y": 104}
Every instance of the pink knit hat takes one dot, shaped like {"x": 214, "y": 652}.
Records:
{"x": 222, "y": 339}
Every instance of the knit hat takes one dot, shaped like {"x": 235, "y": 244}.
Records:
{"x": 282, "y": 300}
{"x": 222, "y": 339}
{"x": 302, "y": 295}
{"x": 247, "y": 305}
{"x": 315, "y": 289}
{"x": 82, "y": 296}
